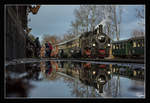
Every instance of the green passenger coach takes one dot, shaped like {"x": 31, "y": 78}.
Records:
{"x": 133, "y": 47}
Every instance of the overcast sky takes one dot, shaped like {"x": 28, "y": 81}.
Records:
{"x": 56, "y": 19}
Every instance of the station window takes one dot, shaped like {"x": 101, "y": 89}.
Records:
{"x": 134, "y": 44}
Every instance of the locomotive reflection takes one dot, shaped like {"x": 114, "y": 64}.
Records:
{"x": 95, "y": 75}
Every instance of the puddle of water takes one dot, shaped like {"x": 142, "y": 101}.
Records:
{"x": 59, "y": 79}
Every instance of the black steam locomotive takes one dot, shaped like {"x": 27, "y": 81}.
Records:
{"x": 96, "y": 75}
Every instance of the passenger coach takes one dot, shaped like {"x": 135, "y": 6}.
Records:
{"x": 133, "y": 47}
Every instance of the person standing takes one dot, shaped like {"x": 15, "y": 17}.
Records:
{"x": 37, "y": 47}
{"x": 49, "y": 48}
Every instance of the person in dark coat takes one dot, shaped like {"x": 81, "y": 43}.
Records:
{"x": 48, "y": 67}
{"x": 37, "y": 47}
{"x": 49, "y": 48}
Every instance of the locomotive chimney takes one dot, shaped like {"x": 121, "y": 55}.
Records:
{"x": 100, "y": 28}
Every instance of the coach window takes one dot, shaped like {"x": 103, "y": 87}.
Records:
{"x": 114, "y": 46}
{"x": 134, "y": 44}
{"x": 118, "y": 46}
{"x": 142, "y": 43}
{"x": 139, "y": 42}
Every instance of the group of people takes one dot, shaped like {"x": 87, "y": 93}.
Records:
{"x": 33, "y": 48}
{"x": 48, "y": 48}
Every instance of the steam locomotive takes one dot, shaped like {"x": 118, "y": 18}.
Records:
{"x": 90, "y": 44}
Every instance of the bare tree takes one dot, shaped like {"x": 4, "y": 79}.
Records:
{"x": 85, "y": 19}
{"x": 69, "y": 35}
{"x": 92, "y": 16}
{"x": 117, "y": 21}
{"x": 51, "y": 38}
{"x": 108, "y": 19}
{"x": 82, "y": 17}
{"x": 79, "y": 18}
{"x": 75, "y": 26}
{"x": 140, "y": 14}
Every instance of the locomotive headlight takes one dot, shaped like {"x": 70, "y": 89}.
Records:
{"x": 108, "y": 72}
{"x": 93, "y": 44}
{"x": 108, "y": 44}
{"x": 94, "y": 72}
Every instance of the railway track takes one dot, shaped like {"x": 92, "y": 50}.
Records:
{"x": 28, "y": 60}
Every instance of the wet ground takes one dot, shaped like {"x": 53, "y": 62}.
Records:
{"x": 69, "y": 79}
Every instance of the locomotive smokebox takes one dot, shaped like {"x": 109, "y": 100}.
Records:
{"x": 100, "y": 28}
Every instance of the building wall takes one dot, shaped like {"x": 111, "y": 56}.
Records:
{"x": 16, "y": 22}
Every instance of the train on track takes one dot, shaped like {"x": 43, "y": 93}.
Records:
{"x": 96, "y": 44}
{"x": 87, "y": 45}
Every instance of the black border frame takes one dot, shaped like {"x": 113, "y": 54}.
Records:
{"x": 76, "y": 2}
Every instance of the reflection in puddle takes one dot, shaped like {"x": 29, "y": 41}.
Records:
{"x": 74, "y": 79}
